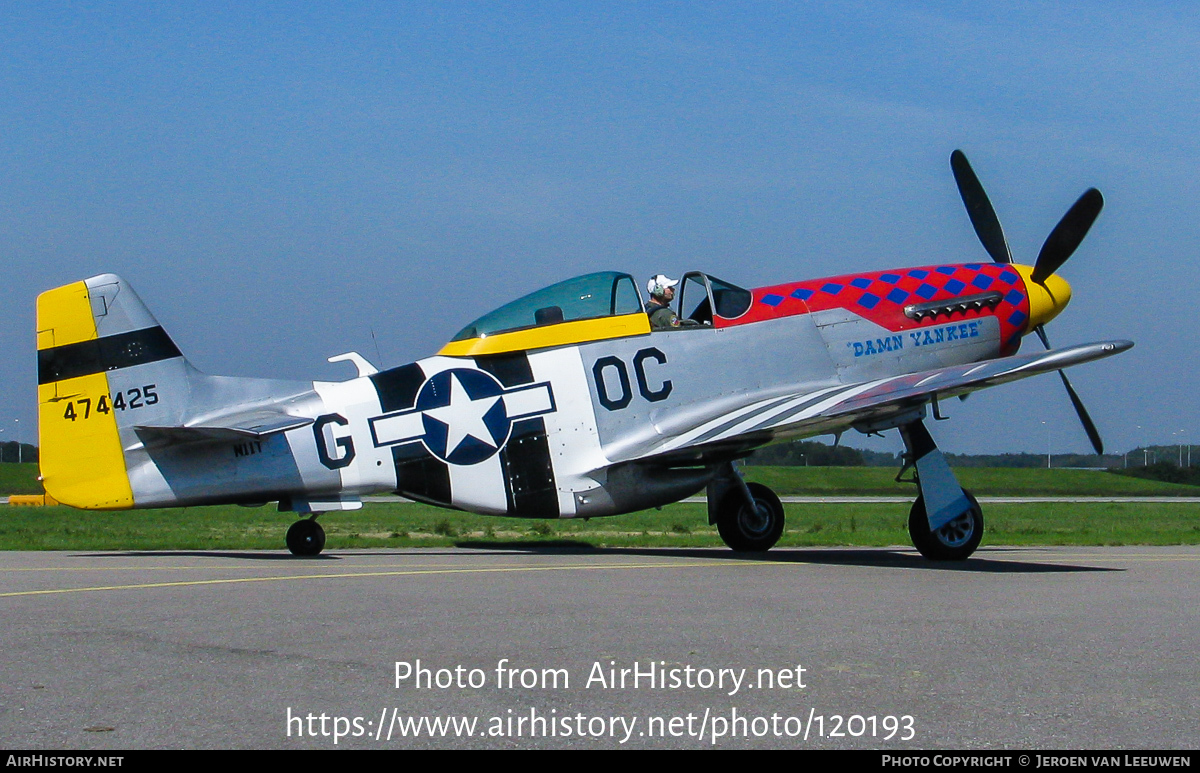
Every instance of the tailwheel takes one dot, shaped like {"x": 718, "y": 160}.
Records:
{"x": 749, "y": 529}
{"x": 306, "y": 538}
{"x": 954, "y": 541}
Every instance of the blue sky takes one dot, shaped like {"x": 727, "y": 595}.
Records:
{"x": 286, "y": 182}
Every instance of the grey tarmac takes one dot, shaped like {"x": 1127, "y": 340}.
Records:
{"x": 1063, "y": 648}
{"x": 886, "y": 499}
{"x": 841, "y": 500}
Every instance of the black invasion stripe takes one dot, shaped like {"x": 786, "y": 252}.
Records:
{"x": 420, "y": 475}
{"x": 530, "y": 490}
{"x": 397, "y": 388}
{"x": 509, "y": 369}
{"x": 529, "y": 487}
{"x": 122, "y": 350}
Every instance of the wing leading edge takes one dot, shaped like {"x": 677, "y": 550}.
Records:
{"x": 801, "y": 413}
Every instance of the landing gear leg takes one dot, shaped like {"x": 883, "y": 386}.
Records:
{"x": 946, "y": 522}
{"x": 749, "y": 516}
{"x": 306, "y": 537}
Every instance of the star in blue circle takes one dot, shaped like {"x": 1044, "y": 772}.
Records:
{"x": 464, "y": 416}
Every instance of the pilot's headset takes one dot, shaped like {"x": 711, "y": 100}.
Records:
{"x": 658, "y": 285}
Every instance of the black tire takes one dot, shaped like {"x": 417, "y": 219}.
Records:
{"x": 306, "y": 538}
{"x": 955, "y": 541}
{"x": 749, "y": 530}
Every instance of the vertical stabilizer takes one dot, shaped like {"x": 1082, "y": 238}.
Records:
{"x": 87, "y": 333}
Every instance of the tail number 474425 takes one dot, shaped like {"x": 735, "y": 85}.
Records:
{"x": 86, "y": 407}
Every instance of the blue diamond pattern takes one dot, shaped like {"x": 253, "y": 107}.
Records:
{"x": 1017, "y": 318}
{"x": 947, "y": 270}
{"x": 802, "y": 293}
{"x": 832, "y": 288}
{"x": 861, "y": 283}
{"x": 772, "y": 299}
{"x": 1008, "y": 276}
{"x": 974, "y": 266}
{"x": 869, "y": 300}
{"x": 926, "y": 291}
{"x": 1014, "y": 297}
{"x": 955, "y": 286}
{"x": 983, "y": 281}
{"x": 889, "y": 278}
{"x": 917, "y": 273}
{"x": 897, "y": 296}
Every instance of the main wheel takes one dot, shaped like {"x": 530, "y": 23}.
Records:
{"x": 953, "y": 542}
{"x": 750, "y": 529}
{"x": 306, "y": 538}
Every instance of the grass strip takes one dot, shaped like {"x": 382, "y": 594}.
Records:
{"x": 981, "y": 481}
{"x": 682, "y": 525}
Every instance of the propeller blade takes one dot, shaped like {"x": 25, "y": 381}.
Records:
{"x": 979, "y": 209}
{"x": 1067, "y": 235}
{"x": 1041, "y": 333}
{"x": 1088, "y": 425}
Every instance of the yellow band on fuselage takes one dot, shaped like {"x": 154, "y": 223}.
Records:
{"x": 561, "y": 334}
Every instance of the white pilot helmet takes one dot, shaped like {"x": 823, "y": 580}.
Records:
{"x": 658, "y": 285}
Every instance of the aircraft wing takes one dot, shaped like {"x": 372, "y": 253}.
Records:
{"x": 754, "y": 422}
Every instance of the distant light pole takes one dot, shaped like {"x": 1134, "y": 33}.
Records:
{"x": 18, "y": 423}
{"x": 1047, "y": 426}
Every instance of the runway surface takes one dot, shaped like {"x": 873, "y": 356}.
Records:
{"x": 884, "y": 500}
{"x": 1065, "y": 648}
{"x": 1019, "y": 500}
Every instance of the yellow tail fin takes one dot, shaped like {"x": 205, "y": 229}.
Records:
{"x": 82, "y": 462}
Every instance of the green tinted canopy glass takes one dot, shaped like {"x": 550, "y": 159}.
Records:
{"x": 591, "y": 296}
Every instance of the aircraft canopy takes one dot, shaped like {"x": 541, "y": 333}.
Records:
{"x": 591, "y": 296}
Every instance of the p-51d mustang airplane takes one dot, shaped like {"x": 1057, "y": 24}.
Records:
{"x": 564, "y": 403}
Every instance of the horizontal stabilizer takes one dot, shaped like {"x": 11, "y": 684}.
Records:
{"x": 245, "y": 425}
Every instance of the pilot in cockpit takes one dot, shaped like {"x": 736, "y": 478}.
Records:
{"x": 662, "y": 292}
